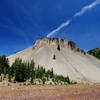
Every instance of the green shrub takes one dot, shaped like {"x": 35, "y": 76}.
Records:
{"x": 23, "y": 71}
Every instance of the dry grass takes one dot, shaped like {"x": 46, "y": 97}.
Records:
{"x": 73, "y": 92}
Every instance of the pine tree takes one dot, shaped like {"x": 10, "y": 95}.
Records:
{"x": 4, "y": 65}
{"x": 20, "y": 70}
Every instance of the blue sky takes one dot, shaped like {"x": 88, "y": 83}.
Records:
{"x": 24, "y": 21}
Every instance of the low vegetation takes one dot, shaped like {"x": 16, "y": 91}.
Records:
{"x": 48, "y": 92}
{"x": 27, "y": 72}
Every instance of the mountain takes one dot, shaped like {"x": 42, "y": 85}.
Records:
{"x": 95, "y": 52}
{"x": 64, "y": 57}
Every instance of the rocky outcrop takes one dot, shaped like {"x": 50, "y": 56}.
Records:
{"x": 72, "y": 45}
{"x": 57, "y": 42}
{"x": 50, "y": 41}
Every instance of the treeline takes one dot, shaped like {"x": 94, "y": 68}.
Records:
{"x": 24, "y": 71}
{"x": 95, "y": 52}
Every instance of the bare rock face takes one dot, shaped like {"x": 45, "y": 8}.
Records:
{"x": 50, "y": 41}
{"x": 64, "y": 57}
{"x": 57, "y": 42}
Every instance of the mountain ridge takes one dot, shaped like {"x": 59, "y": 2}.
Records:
{"x": 59, "y": 42}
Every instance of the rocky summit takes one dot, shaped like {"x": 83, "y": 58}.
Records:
{"x": 64, "y": 57}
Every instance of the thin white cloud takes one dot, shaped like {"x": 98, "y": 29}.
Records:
{"x": 77, "y": 14}
{"x": 87, "y": 8}
{"x": 59, "y": 28}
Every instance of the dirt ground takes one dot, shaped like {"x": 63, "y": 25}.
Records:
{"x": 71, "y": 92}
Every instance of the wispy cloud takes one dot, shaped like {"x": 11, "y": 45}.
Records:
{"x": 77, "y": 14}
{"x": 87, "y": 8}
{"x": 59, "y": 28}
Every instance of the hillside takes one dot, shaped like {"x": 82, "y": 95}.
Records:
{"x": 64, "y": 57}
{"x": 95, "y": 52}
